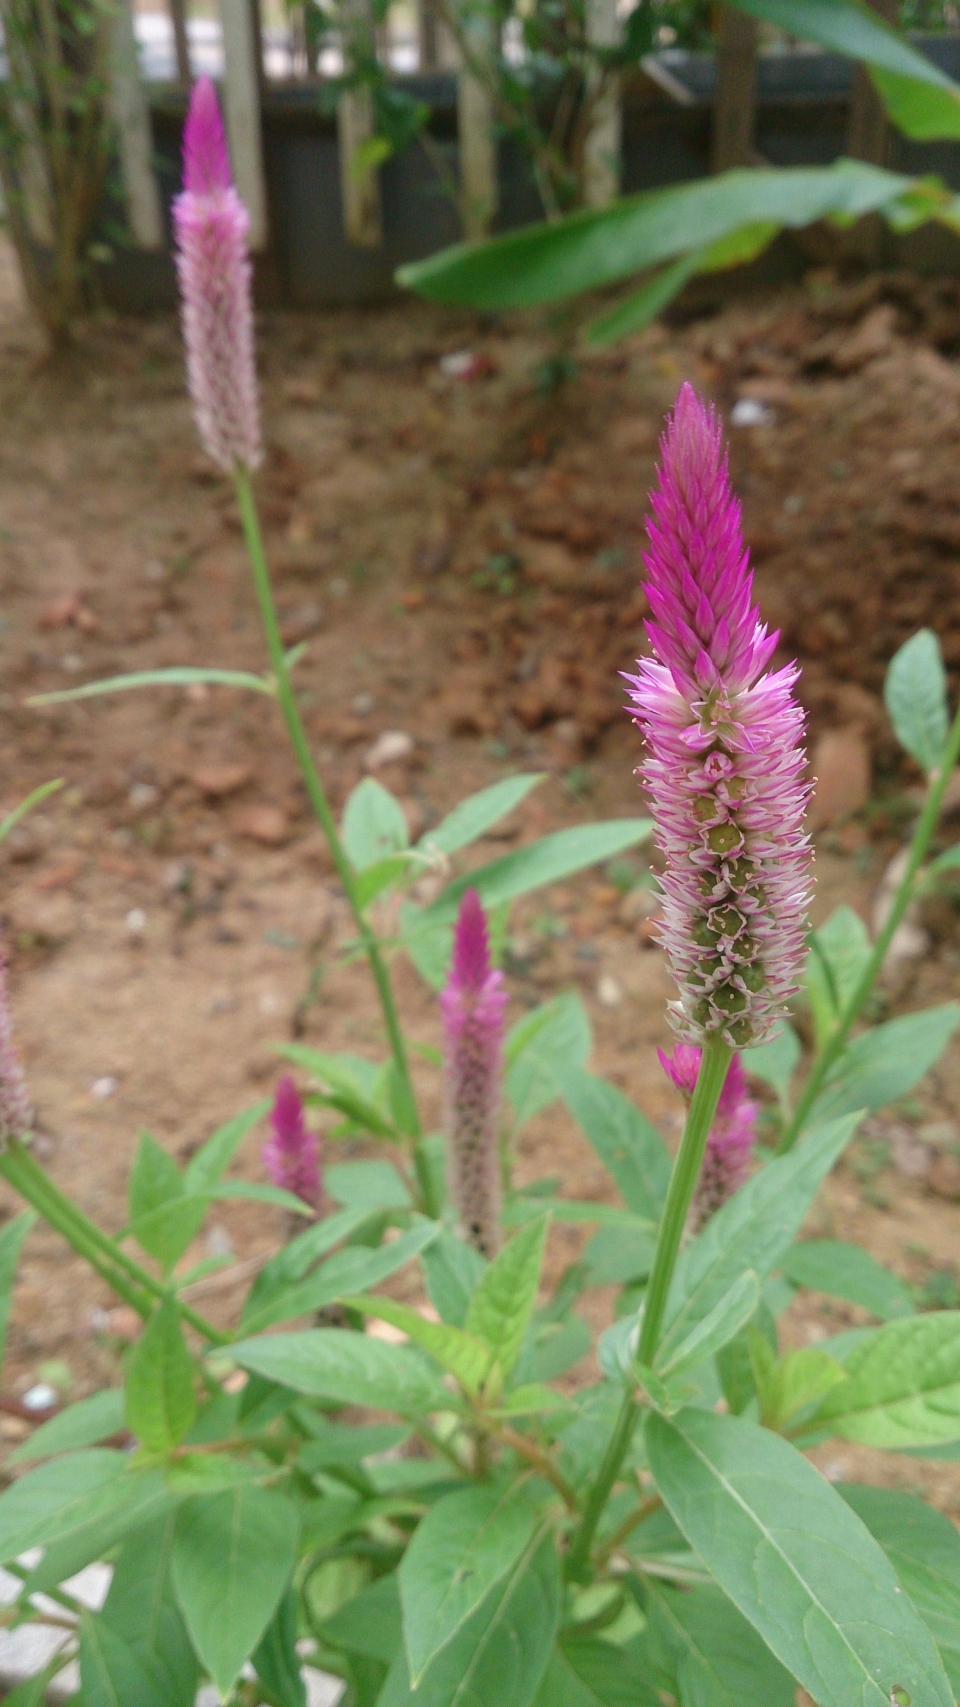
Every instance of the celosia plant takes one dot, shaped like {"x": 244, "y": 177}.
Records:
{"x": 653, "y": 1533}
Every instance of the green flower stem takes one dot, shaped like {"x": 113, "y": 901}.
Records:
{"x": 316, "y": 792}
{"x": 121, "y": 1272}
{"x": 853, "y": 1007}
{"x": 686, "y": 1170}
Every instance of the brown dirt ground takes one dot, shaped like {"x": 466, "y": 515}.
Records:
{"x": 460, "y": 558}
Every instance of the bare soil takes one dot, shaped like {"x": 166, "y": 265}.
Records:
{"x": 460, "y": 557}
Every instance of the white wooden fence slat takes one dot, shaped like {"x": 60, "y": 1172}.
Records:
{"x": 601, "y": 154}
{"x": 132, "y": 119}
{"x": 477, "y": 145}
{"x": 359, "y": 184}
{"x": 241, "y": 100}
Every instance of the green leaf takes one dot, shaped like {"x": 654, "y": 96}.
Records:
{"x": 886, "y": 1062}
{"x": 751, "y": 1230}
{"x": 11, "y": 1244}
{"x": 463, "y": 1547}
{"x": 505, "y": 1296}
{"x": 902, "y": 1387}
{"x": 33, "y": 799}
{"x": 775, "y": 1062}
{"x": 537, "y": 1048}
{"x": 819, "y": 1590}
{"x": 253, "y": 1191}
{"x": 113, "y": 1673}
{"x": 352, "y": 1270}
{"x": 50, "y": 1503}
{"x": 346, "y": 1368}
{"x": 498, "y": 1657}
{"x": 82, "y": 1424}
{"x": 369, "y": 1623}
{"x": 452, "y": 1269}
{"x": 295, "y": 1259}
{"x": 157, "y": 1184}
{"x": 587, "y": 1672}
{"x": 233, "y": 1554}
{"x": 630, "y": 1148}
{"x": 847, "y": 28}
{"x": 351, "y": 1085}
{"x": 791, "y": 1384}
{"x": 374, "y": 826}
{"x": 839, "y": 951}
{"x": 847, "y": 1271}
{"x": 276, "y": 1661}
{"x": 947, "y": 861}
{"x": 368, "y": 1184}
{"x": 207, "y": 1166}
{"x": 717, "y": 1656}
{"x": 915, "y": 693}
{"x": 922, "y": 112}
{"x": 477, "y": 814}
{"x": 463, "y": 1354}
{"x": 643, "y": 305}
{"x": 731, "y": 1313}
{"x": 376, "y": 878}
{"x": 619, "y": 1255}
{"x": 178, "y": 676}
{"x": 924, "y": 1549}
{"x": 140, "y": 1607}
{"x": 588, "y": 249}
{"x": 161, "y": 1403}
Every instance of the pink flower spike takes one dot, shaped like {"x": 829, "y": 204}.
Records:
{"x": 211, "y": 225}
{"x": 16, "y": 1115}
{"x": 473, "y": 1004}
{"x": 291, "y": 1155}
{"x": 724, "y": 761}
{"x": 729, "y": 1151}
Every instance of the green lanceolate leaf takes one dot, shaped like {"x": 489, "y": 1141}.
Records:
{"x": 374, "y": 826}
{"x": 915, "y": 694}
{"x": 11, "y": 1244}
{"x": 370, "y": 1622}
{"x": 498, "y": 1657}
{"x": 731, "y": 1313}
{"x": 775, "y": 1062}
{"x": 505, "y": 1296}
{"x": 716, "y": 1656}
{"x": 789, "y": 1386}
{"x": 452, "y": 1269}
{"x": 347, "y": 1369}
{"x": 902, "y": 1386}
{"x": 464, "y": 1546}
{"x": 276, "y": 1661}
{"x": 351, "y": 1270}
{"x": 462, "y": 1354}
{"x": 207, "y": 1166}
{"x": 629, "y": 1147}
{"x": 538, "y": 1048}
{"x": 924, "y": 1549}
{"x": 33, "y": 799}
{"x": 752, "y": 1230}
{"x": 141, "y": 1608}
{"x": 843, "y": 27}
{"x": 886, "y": 1062}
{"x": 161, "y": 1221}
{"x": 296, "y": 1259}
{"x": 847, "y": 1271}
{"x": 800, "y": 1566}
{"x": 371, "y": 1184}
{"x": 49, "y": 1503}
{"x": 233, "y": 1554}
{"x": 177, "y": 676}
{"x": 112, "y": 1673}
{"x": 839, "y": 951}
{"x": 83, "y": 1424}
{"x": 477, "y": 814}
{"x": 587, "y": 1672}
{"x": 161, "y": 1402}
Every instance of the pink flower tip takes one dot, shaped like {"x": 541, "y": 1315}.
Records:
{"x": 291, "y": 1155}
{"x": 470, "y": 966}
{"x": 206, "y": 158}
{"x": 729, "y": 1149}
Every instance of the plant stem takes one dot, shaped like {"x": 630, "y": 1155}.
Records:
{"x": 714, "y": 1062}
{"x": 316, "y": 792}
{"x": 920, "y": 842}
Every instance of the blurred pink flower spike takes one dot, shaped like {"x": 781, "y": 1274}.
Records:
{"x": 473, "y": 1005}
{"x": 291, "y": 1155}
{"x": 729, "y": 1151}
{"x": 211, "y": 226}
{"x": 16, "y": 1115}
{"x": 724, "y": 761}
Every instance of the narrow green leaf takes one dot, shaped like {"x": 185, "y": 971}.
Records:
{"x": 915, "y": 692}
{"x": 537, "y": 1049}
{"x": 276, "y": 1661}
{"x": 112, "y": 1673}
{"x": 839, "y": 951}
{"x": 369, "y": 1623}
{"x": 47, "y": 1504}
{"x": 775, "y": 1062}
{"x": 380, "y": 876}
{"x": 156, "y": 1192}
{"x": 847, "y": 28}
{"x": 886, "y": 1062}
{"x": 207, "y": 1166}
{"x": 160, "y": 1398}
{"x": 505, "y": 1296}
{"x": 140, "y": 1606}
{"x": 374, "y": 826}
{"x": 477, "y": 814}
{"x": 731, "y": 1313}
{"x": 295, "y": 1259}
{"x": 462, "y": 1354}
{"x": 587, "y": 1672}
{"x": 923, "y": 1547}
{"x": 178, "y": 676}
{"x": 922, "y": 112}
{"x": 452, "y": 1269}
{"x": 33, "y": 799}
{"x": 368, "y": 1184}
{"x": 233, "y": 1554}
{"x": 12, "y": 1237}
{"x": 819, "y": 1591}
{"x": 631, "y": 1150}
{"x": 352, "y": 1270}
{"x": 346, "y": 1368}
{"x": 718, "y": 1658}
{"x": 83, "y": 1424}
{"x": 643, "y": 305}
{"x": 902, "y": 1386}
{"x": 847, "y": 1271}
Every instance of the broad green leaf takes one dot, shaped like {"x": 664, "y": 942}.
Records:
{"x": 718, "y": 1658}
{"x": 751, "y": 1230}
{"x": 352, "y": 1270}
{"x": 775, "y": 1062}
{"x": 462, "y": 1354}
{"x": 370, "y": 1622}
{"x": 376, "y": 878}
{"x": 505, "y": 1296}
{"x": 464, "y": 1546}
{"x": 587, "y": 1672}
{"x": 140, "y": 1606}
{"x": 923, "y": 1547}
{"x": 792, "y": 1556}
{"x": 731, "y": 1313}
{"x": 344, "y": 1446}
{"x": 233, "y": 1554}
{"x": 345, "y": 1368}
{"x": 452, "y": 1269}
{"x": 539, "y": 1046}
{"x": 276, "y": 1661}
{"x": 921, "y": 111}
{"x": 177, "y": 676}
{"x": 206, "y": 1167}
{"x": 915, "y": 692}
{"x": 789, "y": 1385}
{"x": 374, "y": 826}
{"x": 51, "y": 1502}
{"x": 156, "y": 1183}
{"x": 133, "y": 1501}
{"x": 475, "y": 815}
{"x": 295, "y": 1259}
{"x": 886, "y": 1062}
{"x": 631, "y": 1150}
{"x": 551, "y": 1348}
{"x": 839, "y": 951}
{"x": 855, "y": 30}
{"x": 160, "y": 1398}
{"x": 11, "y": 1245}
{"x": 643, "y": 305}
{"x": 368, "y": 1184}
{"x": 350, "y": 1085}
{"x": 499, "y": 1655}
{"x": 113, "y": 1673}
{"x": 619, "y": 1255}
{"x": 83, "y": 1424}
{"x": 585, "y": 250}
{"x": 847, "y": 1271}
{"x": 902, "y": 1387}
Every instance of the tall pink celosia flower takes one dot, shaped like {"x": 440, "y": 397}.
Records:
{"x": 724, "y": 765}
{"x": 16, "y": 1115}
{"x": 473, "y": 1005}
{"x": 291, "y": 1154}
{"x": 211, "y": 224}
{"x": 729, "y": 1151}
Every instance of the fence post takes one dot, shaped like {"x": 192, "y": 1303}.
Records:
{"x": 479, "y": 194}
{"x": 601, "y": 150}
{"x": 181, "y": 45}
{"x": 428, "y": 36}
{"x": 734, "y": 112}
{"x": 868, "y": 132}
{"x": 359, "y": 182}
{"x": 131, "y": 116}
{"x": 241, "y": 100}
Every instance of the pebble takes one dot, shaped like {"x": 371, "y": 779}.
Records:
{"x": 136, "y": 921}
{"x": 216, "y": 781}
{"x": 103, "y": 1088}
{"x": 40, "y": 1397}
{"x": 609, "y": 991}
{"x": 750, "y": 412}
{"x": 390, "y": 747}
{"x": 265, "y": 824}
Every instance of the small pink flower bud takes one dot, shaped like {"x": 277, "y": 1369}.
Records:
{"x": 16, "y": 1115}
{"x": 291, "y": 1155}
{"x": 729, "y": 1152}
{"x": 473, "y": 1005}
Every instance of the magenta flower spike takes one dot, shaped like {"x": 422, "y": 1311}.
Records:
{"x": 729, "y": 1151}
{"x": 473, "y": 1005}
{"x": 291, "y": 1155}
{"x": 16, "y": 1115}
{"x": 211, "y": 225}
{"x": 724, "y": 764}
